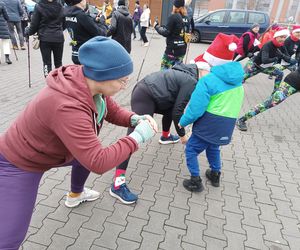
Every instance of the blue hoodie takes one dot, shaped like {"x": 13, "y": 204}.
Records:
{"x": 215, "y": 104}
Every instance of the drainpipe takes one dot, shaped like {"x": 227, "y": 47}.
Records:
{"x": 279, "y": 9}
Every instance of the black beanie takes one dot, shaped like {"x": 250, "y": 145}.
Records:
{"x": 178, "y": 3}
{"x": 121, "y": 2}
{"x": 72, "y": 2}
{"x": 254, "y": 25}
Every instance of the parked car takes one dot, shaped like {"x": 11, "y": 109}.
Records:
{"x": 228, "y": 21}
{"x": 30, "y": 7}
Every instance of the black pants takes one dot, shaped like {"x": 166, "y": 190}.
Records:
{"x": 143, "y": 34}
{"x": 24, "y": 24}
{"x": 143, "y": 103}
{"x": 46, "y": 49}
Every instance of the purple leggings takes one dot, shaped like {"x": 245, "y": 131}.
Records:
{"x": 18, "y": 191}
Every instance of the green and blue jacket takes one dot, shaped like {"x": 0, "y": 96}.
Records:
{"x": 215, "y": 104}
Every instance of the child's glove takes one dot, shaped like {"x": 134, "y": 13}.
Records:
{"x": 142, "y": 132}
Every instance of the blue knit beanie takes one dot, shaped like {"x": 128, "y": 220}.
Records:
{"x": 104, "y": 59}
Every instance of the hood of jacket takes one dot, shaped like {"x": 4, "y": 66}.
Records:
{"x": 50, "y": 10}
{"x": 231, "y": 73}
{"x": 123, "y": 10}
{"x": 72, "y": 11}
{"x": 68, "y": 80}
{"x": 190, "y": 69}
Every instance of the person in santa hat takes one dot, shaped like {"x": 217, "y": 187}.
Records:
{"x": 213, "y": 109}
{"x": 289, "y": 86}
{"x": 248, "y": 43}
{"x": 292, "y": 43}
{"x": 270, "y": 57}
{"x": 177, "y": 25}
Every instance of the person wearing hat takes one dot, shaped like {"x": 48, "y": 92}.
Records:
{"x": 268, "y": 61}
{"x": 213, "y": 108}
{"x": 60, "y": 127}
{"x": 248, "y": 43}
{"x": 289, "y": 86}
{"x": 174, "y": 31}
{"x": 81, "y": 26}
{"x": 121, "y": 26}
{"x": 48, "y": 22}
{"x": 292, "y": 43}
{"x": 167, "y": 93}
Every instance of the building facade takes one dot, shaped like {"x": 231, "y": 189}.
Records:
{"x": 281, "y": 11}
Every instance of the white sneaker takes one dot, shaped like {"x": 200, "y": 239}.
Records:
{"x": 86, "y": 195}
{"x": 146, "y": 44}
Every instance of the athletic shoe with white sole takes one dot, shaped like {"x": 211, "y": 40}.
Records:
{"x": 123, "y": 194}
{"x": 172, "y": 139}
{"x": 86, "y": 195}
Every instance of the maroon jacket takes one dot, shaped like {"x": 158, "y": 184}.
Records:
{"x": 241, "y": 46}
{"x": 59, "y": 125}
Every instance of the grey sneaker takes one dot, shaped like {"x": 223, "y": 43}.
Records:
{"x": 86, "y": 195}
{"x": 241, "y": 125}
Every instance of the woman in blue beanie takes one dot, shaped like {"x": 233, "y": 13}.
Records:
{"x": 77, "y": 100}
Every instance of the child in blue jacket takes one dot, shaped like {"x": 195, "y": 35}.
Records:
{"x": 213, "y": 109}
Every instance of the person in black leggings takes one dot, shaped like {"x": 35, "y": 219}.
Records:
{"x": 166, "y": 93}
{"x": 48, "y": 22}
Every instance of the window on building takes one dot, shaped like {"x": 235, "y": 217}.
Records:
{"x": 256, "y": 17}
{"x": 262, "y": 5}
{"x": 217, "y": 17}
{"x": 241, "y": 4}
{"x": 201, "y": 8}
{"x": 229, "y": 4}
{"x": 293, "y": 10}
{"x": 236, "y": 17}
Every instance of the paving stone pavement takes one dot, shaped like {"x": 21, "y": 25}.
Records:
{"x": 256, "y": 207}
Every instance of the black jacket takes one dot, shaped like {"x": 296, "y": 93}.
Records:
{"x": 293, "y": 79}
{"x": 47, "y": 21}
{"x": 172, "y": 89}
{"x": 121, "y": 27}
{"x": 173, "y": 31}
{"x": 269, "y": 53}
{"x": 4, "y": 33}
{"x": 292, "y": 47}
{"x": 81, "y": 26}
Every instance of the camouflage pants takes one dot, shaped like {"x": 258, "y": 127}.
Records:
{"x": 283, "y": 91}
{"x": 168, "y": 61}
{"x": 276, "y": 70}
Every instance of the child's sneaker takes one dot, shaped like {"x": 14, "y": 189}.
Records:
{"x": 123, "y": 194}
{"x": 86, "y": 195}
{"x": 241, "y": 125}
{"x": 194, "y": 184}
{"x": 214, "y": 177}
{"x": 172, "y": 139}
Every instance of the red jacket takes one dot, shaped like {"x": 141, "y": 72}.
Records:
{"x": 59, "y": 125}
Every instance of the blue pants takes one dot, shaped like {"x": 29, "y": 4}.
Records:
{"x": 194, "y": 147}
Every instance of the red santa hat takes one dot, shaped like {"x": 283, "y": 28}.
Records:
{"x": 219, "y": 52}
{"x": 281, "y": 31}
{"x": 296, "y": 28}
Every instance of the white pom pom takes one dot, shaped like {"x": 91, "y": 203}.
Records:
{"x": 232, "y": 46}
{"x": 203, "y": 66}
